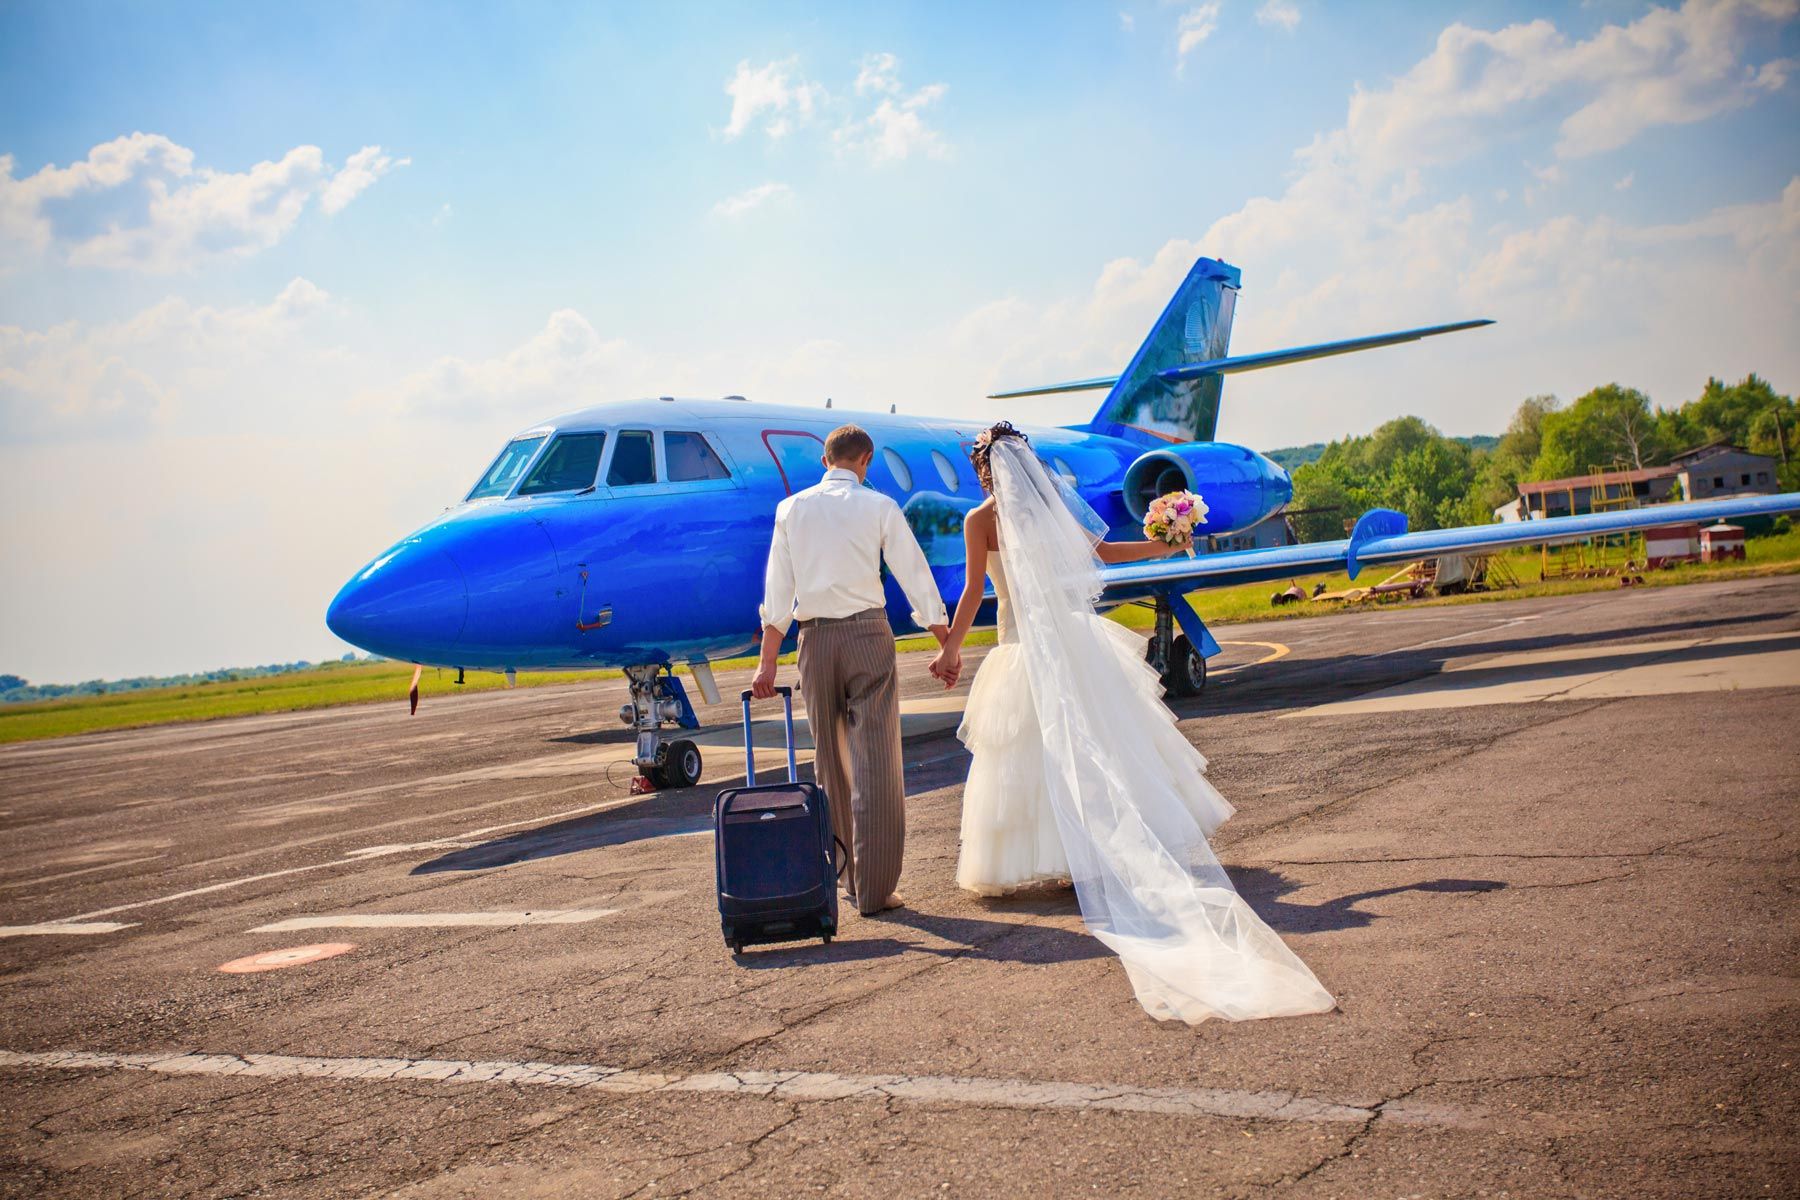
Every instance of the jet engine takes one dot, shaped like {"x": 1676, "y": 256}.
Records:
{"x": 1240, "y": 486}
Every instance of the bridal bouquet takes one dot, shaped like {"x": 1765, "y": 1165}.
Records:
{"x": 1172, "y": 518}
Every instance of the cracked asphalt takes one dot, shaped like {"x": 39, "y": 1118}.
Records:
{"x": 1561, "y": 932}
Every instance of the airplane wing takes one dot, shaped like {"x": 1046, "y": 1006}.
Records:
{"x": 1381, "y": 537}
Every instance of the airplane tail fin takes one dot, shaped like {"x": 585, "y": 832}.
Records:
{"x": 1195, "y": 327}
{"x": 1144, "y": 402}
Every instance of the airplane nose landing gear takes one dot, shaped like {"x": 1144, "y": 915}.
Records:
{"x": 658, "y": 699}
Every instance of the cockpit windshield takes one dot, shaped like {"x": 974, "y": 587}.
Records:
{"x": 507, "y": 468}
{"x": 569, "y": 465}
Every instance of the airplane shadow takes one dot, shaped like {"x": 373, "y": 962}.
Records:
{"x": 1263, "y": 890}
{"x": 1305, "y": 681}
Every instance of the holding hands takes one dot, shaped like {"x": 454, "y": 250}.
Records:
{"x": 947, "y": 666}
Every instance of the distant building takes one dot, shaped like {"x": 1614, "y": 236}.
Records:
{"x": 1574, "y": 495}
{"x": 1271, "y": 531}
{"x": 1718, "y": 469}
{"x": 1722, "y": 469}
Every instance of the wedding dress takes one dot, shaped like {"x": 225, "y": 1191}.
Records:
{"x": 1080, "y": 774}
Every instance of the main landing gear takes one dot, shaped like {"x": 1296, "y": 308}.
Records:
{"x": 1174, "y": 656}
{"x": 658, "y": 699}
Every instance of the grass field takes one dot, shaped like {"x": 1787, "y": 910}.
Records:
{"x": 360, "y": 683}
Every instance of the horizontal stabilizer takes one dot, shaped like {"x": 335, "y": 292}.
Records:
{"x": 1278, "y": 358}
{"x": 1249, "y": 362}
{"x": 1051, "y": 389}
{"x": 1381, "y": 538}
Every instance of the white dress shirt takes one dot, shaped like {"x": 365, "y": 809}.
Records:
{"x": 825, "y": 560}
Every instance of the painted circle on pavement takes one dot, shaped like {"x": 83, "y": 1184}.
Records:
{"x": 293, "y": 956}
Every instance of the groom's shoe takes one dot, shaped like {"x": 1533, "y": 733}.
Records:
{"x": 895, "y": 900}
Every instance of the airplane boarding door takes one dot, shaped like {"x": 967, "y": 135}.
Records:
{"x": 797, "y": 456}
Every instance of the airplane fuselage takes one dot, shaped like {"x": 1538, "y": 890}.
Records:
{"x": 658, "y": 557}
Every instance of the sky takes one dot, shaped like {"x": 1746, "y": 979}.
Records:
{"x": 276, "y": 281}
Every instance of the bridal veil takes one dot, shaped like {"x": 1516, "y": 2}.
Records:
{"x": 1150, "y": 887}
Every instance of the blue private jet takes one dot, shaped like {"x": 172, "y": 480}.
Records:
{"x": 634, "y": 534}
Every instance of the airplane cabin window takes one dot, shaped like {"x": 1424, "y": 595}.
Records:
{"x": 946, "y": 469}
{"x": 633, "y": 460}
{"x": 570, "y": 464}
{"x": 690, "y": 458}
{"x": 506, "y": 469}
{"x": 897, "y": 468}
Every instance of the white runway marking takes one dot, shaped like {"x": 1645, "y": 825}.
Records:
{"x": 362, "y": 855}
{"x": 781, "y": 1085}
{"x": 62, "y": 927}
{"x": 566, "y": 916}
{"x": 124, "y": 862}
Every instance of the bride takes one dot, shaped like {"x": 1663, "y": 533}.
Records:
{"x": 1079, "y": 772}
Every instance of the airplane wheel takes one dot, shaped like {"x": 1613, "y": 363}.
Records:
{"x": 1186, "y": 675}
{"x": 681, "y": 769}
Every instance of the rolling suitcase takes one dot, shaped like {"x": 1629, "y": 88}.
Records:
{"x": 772, "y": 846}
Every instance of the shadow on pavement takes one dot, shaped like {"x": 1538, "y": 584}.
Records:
{"x": 781, "y": 955}
{"x": 599, "y": 737}
{"x": 1262, "y": 889}
{"x": 1008, "y": 941}
{"x": 1298, "y": 682}
{"x": 567, "y": 837}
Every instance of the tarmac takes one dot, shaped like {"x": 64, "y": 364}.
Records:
{"x": 1543, "y": 852}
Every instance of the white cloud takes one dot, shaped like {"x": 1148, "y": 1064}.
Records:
{"x": 1127, "y": 22}
{"x": 770, "y": 94}
{"x": 1280, "y": 13}
{"x": 139, "y": 202}
{"x": 1625, "y": 181}
{"x": 897, "y": 129}
{"x": 752, "y": 198}
{"x": 171, "y": 364}
{"x": 894, "y": 130}
{"x": 879, "y": 73}
{"x": 1668, "y": 67}
{"x": 563, "y": 366}
{"x": 360, "y": 172}
{"x": 1194, "y": 27}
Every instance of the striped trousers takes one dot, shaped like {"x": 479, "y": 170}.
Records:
{"x": 848, "y": 675}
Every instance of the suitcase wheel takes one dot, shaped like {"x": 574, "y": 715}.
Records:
{"x": 827, "y": 938}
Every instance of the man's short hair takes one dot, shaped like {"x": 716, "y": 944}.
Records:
{"x": 847, "y": 443}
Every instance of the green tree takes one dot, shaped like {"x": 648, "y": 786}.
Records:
{"x": 1733, "y": 413}
{"x": 1498, "y": 476}
{"x": 1405, "y": 464}
{"x": 1611, "y": 425}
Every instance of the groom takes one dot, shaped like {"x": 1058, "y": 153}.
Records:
{"x": 825, "y": 570}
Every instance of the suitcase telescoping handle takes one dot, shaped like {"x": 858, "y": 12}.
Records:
{"x": 787, "y": 702}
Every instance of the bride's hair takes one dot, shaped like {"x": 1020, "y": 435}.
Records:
{"x": 984, "y": 445}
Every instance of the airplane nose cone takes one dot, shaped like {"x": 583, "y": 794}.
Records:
{"x": 411, "y": 604}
